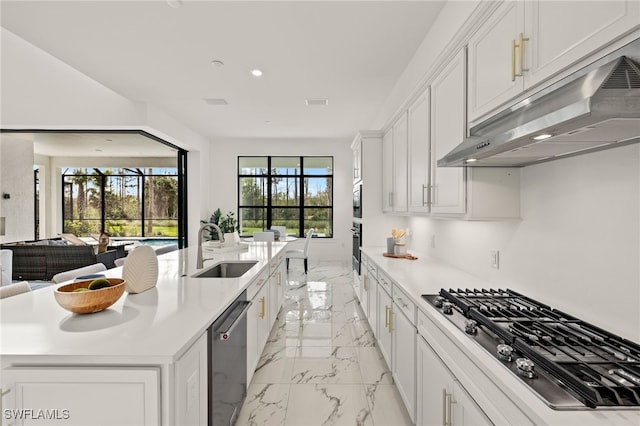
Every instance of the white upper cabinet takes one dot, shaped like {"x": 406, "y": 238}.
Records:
{"x": 525, "y": 43}
{"x": 447, "y": 131}
{"x": 492, "y": 60}
{"x": 419, "y": 144}
{"x": 394, "y": 167}
{"x": 400, "y": 146}
{"x": 387, "y": 171}
{"x": 356, "y": 148}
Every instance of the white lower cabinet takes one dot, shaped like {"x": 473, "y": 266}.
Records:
{"x": 385, "y": 323}
{"x": 190, "y": 390}
{"x": 257, "y": 321}
{"x": 115, "y": 396}
{"x": 404, "y": 359}
{"x": 441, "y": 398}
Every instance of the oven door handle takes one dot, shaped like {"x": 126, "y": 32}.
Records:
{"x": 242, "y": 306}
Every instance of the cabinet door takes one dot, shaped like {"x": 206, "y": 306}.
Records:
{"x": 364, "y": 291}
{"x": 419, "y": 116}
{"x": 357, "y": 160}
{"x": 373, "y": 304}
{"x": 464, "y": 410}
{"x": 263, "y": 317}
{"x": 387, "y": 170}
{"x": 191, "y": 385}
{"x": 399, "y": 201}
{"x": 385, "y": 323}
{"x": 562, "y": 32}
{"x": 85, "y": 396}
{"x": 434, "y": 384}
{"x": 447, "y": 131}
{"x": 252, "y": 338}
{"x": 404, "y": 360}
{"x": 492, "y": 60}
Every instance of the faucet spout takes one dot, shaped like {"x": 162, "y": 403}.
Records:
{"x": 199, "y": 261}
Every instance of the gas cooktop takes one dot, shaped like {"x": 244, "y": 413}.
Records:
{"x": 569, "y": 363}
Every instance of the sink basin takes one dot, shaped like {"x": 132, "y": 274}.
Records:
{"x": 228, "y": 269}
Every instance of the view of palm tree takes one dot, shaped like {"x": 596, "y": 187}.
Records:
{"x": 122, "y": 202}
{"x": 296, "y": 192}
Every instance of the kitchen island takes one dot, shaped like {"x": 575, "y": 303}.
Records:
{"x": 148, "y": 349}
{"x": 443, "y": 374}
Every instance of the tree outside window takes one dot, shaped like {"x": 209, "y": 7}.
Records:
{"x": 296, "y": 192}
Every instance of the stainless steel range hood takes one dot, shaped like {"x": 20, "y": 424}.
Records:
{"x": 594, "y": 109}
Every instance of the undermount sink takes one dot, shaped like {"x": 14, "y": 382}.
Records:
{"x": 227, "y": 269}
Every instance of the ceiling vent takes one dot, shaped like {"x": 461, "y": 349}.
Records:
{"x": 316, "y": 102}
{"x": 216, "y": 101}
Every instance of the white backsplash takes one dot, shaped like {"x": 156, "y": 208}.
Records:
{"x": 577, "y": 247}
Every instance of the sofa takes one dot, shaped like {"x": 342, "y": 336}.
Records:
{"x": 41, "y": 261}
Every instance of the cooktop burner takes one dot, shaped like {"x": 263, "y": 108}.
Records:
{"x": 569, "y": 363}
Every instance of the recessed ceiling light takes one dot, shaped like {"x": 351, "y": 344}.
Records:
{"x": 256, "y": 72}
{"x": 217, "y": 63}
{"x": 216, "y": 101}
{"x": 316, "y": 102}
{"x": 176, "y": 4}
{"x": 542, "y": 137}
{"x": 98, "y": 150}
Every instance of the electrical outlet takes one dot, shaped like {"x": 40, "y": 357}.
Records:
{"x": 495, "y": 259}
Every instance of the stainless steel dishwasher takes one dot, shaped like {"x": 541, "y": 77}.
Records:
{"x": 228, "y": 363}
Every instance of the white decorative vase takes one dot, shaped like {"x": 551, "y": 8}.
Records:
{"x": 140, "y": 271}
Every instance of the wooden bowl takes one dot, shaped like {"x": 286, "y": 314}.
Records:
{"x": 87, "y": 302}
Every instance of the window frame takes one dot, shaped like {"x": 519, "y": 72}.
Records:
{"x": 270, "y": 207}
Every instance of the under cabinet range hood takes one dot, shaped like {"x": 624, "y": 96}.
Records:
{"x": 596, "y": 108}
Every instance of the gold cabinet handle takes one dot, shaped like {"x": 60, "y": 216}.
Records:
{"x": 444, "y": 407}
{"x": 519, "y": 45}
{"x": 390, "y": 321}
{"x": 262, "y": 308}
{"x": 259, "y": 282}
{"x": 513, "y": 60}
{"x": 364, "y": 283}
{"x": 386, "y": 316}
{"x": 521, "y": 40}
{"x": 279, "y": 278}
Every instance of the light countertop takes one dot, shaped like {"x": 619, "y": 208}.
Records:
{"x": 427, "y": 276}
{"x": 157, "y": 325}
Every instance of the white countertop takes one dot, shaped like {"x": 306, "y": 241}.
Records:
{"x": 154, "y": 326}
{"x": 427, "y": 276}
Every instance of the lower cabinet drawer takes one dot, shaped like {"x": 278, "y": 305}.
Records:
{"x": 117, "y": 396}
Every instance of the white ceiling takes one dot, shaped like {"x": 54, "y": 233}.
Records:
{"x": 66, "y": 144}
{"x": 350, "y": 52}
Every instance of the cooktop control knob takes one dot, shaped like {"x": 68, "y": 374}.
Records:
{"x": 505, "y": 352}
{"x": 470, "y": 326}
{"x": 447, "y": 308}
{"x": 438, "y": 301}
{"x": 525, "y": 367}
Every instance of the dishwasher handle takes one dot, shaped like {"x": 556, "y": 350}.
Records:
{"x": 239, "y": 311}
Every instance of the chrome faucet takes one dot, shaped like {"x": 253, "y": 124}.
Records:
{"x": 199, "y": 262}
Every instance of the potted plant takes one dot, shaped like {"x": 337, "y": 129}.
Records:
{"x": 228, "y": 224}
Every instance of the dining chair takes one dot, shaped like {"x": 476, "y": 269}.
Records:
{"x": 263, "y": 236}
{"x": 14, "y": 289}
{"x": 74, "y": 273}
{"x": 300, "y": 253}
{"x": 282, "y": 231}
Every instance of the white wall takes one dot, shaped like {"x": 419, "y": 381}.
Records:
{"x": 222, "y": 188}
{"x": 41, "y": 92}
{"x": 16, "y": 180}
{"x": 577, "y": 247}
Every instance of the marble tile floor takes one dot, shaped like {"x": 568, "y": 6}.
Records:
{"x": 321, "y": 364}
